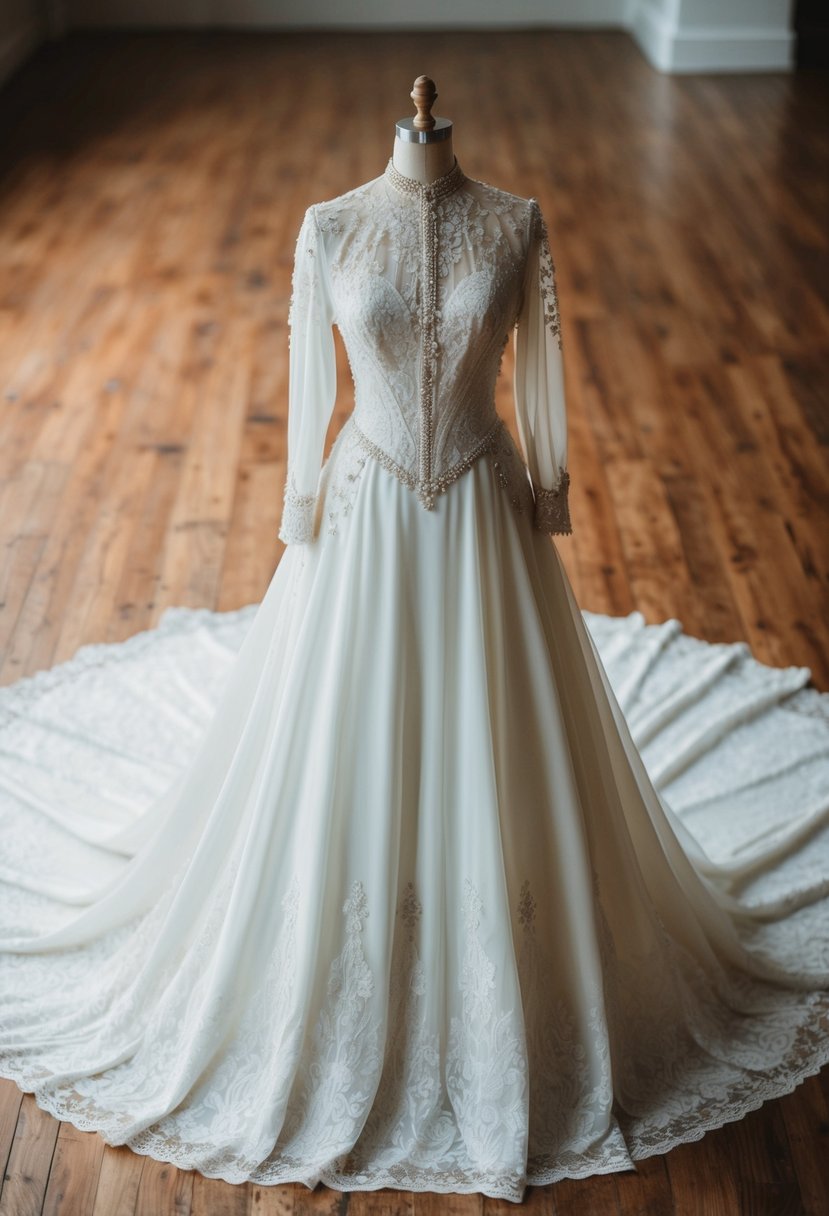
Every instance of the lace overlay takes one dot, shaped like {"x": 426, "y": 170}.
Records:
{"x": 546, "y": 270}
{"x": 376, "y": 1096}
{"x": 425, "y": 284}
{"x": 342, "y": 473}
{"x": 313, "y": 998}
{"x": 552, "y": 508}
{"x": 297, "y": 526}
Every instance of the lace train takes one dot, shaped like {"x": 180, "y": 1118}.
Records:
{"x": 368, "y": 990}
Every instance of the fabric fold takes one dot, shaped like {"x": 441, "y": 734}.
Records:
{"x": 412, "y": 911}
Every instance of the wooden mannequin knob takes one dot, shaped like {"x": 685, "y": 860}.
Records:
{"x": 423, "y": 95}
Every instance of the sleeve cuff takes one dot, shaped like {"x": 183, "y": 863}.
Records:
{"x": 551, "y": 512}
{"x": 298, "y": 511}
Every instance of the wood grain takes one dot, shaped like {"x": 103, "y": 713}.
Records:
{"x": 151, "y": 190}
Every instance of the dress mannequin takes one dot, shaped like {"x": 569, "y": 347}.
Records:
{"x": 423, "y": 144}
{"x": 369, "y": 883}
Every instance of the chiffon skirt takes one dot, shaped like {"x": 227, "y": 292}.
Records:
{"x": 413, "y": 875}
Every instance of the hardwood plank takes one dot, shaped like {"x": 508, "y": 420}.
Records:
{"x": 30, "y": 1160}
{"x": 148, "y": 211}
{"x": 276, "y": 1200}
{"x": 709, "y": 609}
{"x": 164, "y": 1190}
{"x": 704, "y": 1178}
{"x": 426, "y": 1203}
{"x": 806, "y": 1117}
{"x": 321, "y": 1201}
{"x": 650, "y": 541}
{"x": 599, "y": 1198}
{"x": 11, "y": 1099}
{"x": 73, "y": 1178}
{"x": 118, "y": 1182}
{"x": 758, "y": 1148}
{"x": 598, "y": 567}
{"x": 388, "y": 1202}
{"x": 647, "y": 1192}
{"x": 212, "y": 1197}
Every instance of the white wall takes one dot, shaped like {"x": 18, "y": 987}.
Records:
{"x": 383, "y": 14}
{"x": 675, "y": 35}
{"x": 714, "y": 35}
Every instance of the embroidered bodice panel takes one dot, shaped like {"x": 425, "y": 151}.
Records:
{"x": 425, "y": 284}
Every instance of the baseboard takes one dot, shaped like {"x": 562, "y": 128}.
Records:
{"x": 652, "y": 32}
{"x": 709, "y": 49}
{"x": 733, "y": 50}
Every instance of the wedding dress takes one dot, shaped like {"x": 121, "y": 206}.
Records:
{"x": 414, "y": 875}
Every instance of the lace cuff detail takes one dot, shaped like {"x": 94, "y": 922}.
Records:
{"x": 298, "y": 510}
{"x": 552, "y": 507}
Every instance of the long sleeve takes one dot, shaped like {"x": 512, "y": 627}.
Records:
{"x": 540, "y": 408}
{"x": 312, "y": 390}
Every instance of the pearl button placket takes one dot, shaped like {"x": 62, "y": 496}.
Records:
{"x": 429, "y": 195}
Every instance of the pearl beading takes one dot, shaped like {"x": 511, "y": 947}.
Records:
{"x": 428, "y": 195}
{"x": 436, "y": 189}
{"x": 428, "y": 492}
{"x": 552, "y": 507}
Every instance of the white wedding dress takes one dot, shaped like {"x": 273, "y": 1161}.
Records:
{"x": 414, "y": 875}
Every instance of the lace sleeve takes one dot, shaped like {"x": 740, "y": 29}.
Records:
{"x": 540, "y": 407}
{"x": 312, "y": 382}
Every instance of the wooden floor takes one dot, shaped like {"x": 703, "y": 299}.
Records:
{"x": 151, "y": 189}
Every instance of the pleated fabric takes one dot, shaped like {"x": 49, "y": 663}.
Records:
{"x": 413, "y": 875}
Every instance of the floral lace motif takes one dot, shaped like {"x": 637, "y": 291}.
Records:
{"x": 525, "y": 1093}
{"x": 629, "y": 1040}
{"x": 424, "y": 283}
{"x": 343, "y": 471}
{"x": 546, "y": 270}
{"x": 552, "y": 507}
{"x": 297, "y": 524}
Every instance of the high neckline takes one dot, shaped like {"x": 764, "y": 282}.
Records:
{"x": 439, "y": 188}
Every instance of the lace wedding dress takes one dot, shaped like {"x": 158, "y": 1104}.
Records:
{"x": 414, "y": 875}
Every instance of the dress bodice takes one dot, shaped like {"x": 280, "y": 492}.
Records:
{"x": 425, "y": 284}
